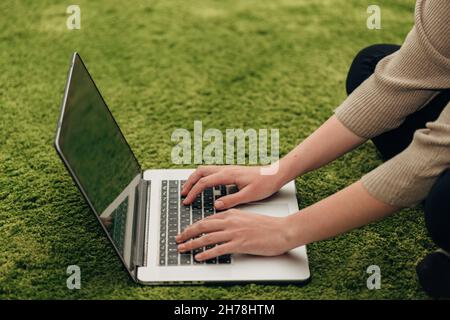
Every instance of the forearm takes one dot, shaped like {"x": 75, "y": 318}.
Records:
{"x": 331, "y": 140}
{"x": 345, "y": 210}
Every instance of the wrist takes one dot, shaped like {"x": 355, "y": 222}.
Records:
{"x": 274, "y": 173}
{"x": 283, "y": 174}
{"x": 290, "y": 167}
{"x": 291, "y": 231}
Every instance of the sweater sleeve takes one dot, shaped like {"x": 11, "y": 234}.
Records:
{"x": 402, "y": 84}
{"x": 406, "y": 80}
{"x": 406, "y": 179}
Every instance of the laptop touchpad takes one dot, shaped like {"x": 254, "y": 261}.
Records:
{"x": 269, "y": 209}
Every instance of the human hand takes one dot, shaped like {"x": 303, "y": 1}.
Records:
{"x": 236, "y": 231}
{"x": 252, "y": 185}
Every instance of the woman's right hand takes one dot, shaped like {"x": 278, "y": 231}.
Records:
{"x": 252, "y": 185}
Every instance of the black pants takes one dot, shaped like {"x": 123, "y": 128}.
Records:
{"x": 437, "y": 203}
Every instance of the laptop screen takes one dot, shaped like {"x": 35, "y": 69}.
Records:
{"x": 92, "y": 143}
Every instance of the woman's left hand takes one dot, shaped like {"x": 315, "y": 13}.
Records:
{"x": 236, "y": 231}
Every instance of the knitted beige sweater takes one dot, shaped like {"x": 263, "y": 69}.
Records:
{"x": 401, "y": 84}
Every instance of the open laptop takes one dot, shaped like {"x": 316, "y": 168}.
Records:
{"x": 141, "y": 211}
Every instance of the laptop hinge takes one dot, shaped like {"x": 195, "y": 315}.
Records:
{"x": 140, "y": 219}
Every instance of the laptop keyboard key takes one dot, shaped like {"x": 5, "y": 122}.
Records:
{"x": 209, "y": 212}
{"x": 223, "y": 190}
{"x": 211, "y": 261}
{"x": 226, "y": 258}
{"x": 185, "y": 259}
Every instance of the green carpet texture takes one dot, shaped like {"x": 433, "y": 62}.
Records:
{"x": 161, "y": 65}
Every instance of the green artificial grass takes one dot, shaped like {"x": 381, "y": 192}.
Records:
{"x": 161, "y": 65}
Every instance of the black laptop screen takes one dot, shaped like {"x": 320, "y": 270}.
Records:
{"x": 93, "y": 144}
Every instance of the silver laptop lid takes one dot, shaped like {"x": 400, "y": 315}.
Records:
{"x": 100, "y": 160}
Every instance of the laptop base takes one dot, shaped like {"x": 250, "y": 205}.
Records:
{"x": 291, "y": 267}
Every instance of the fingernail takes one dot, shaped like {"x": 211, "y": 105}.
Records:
{"x": 181, "y": 247}
{"x": 177, "y": 237}
{"x": 218, "y": 204}
{"x": 199, "y": 256}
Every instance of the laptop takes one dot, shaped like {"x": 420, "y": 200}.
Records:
{"x": 141, "y": 211}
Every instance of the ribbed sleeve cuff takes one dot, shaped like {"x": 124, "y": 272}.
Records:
{"x": 406, "y": 179}
{"x": 393, "y": 183}
{"x": 346, "y": 115}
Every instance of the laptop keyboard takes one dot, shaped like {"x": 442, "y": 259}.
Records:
{"x": 175, "y": 217}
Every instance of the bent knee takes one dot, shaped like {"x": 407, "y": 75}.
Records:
{"x": 364, "y": 63}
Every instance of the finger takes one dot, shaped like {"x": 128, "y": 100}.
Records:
{"x": 226, "y": 248}
{"x": 207, "y": 182}
{"x": 207, "y": 239}
{"x": 202, "y": 226}
{"x": 201, "y": 171}
{"x": 219, "y": 215}
{"x": 234, "y": 199}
